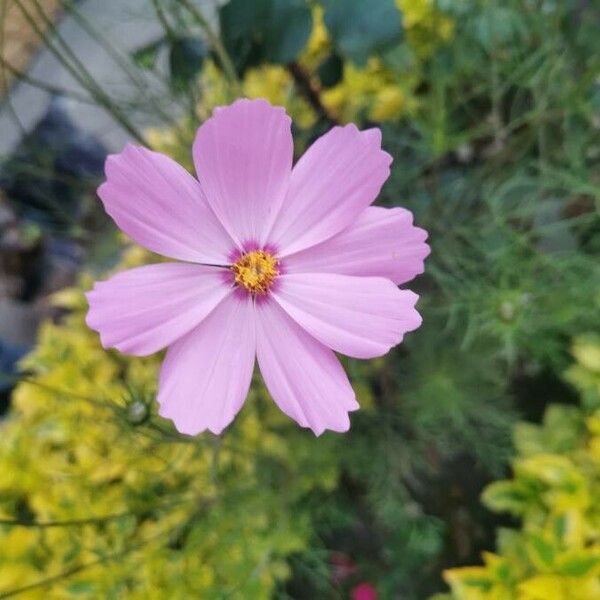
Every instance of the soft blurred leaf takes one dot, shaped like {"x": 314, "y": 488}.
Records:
{"x": 542, "y": 553}
{"x": 186, "y": 58}
{"x": 465, "y": 581}
{"x": 498, "y": 26}
{"x": 504, "y": 496}
{"x": 331, "y": 70}
{"x": 578, "y": 564}
{"x": 273, "y": 31}
{"x": 286, "y": 30}
{"x": 146, "y": 57}
{"x": 542, "y": 587}
{"x": 239, "y": 21}
{"x": 360, "y": 28}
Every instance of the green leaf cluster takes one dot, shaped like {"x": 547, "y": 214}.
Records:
{"x": 554, "y": 491}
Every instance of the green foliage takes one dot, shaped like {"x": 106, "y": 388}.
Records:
{"x": 359, "y": 29}
{"x": 286, "y": 30}
{"x": 585, "y": 373}
{"x": 490, "y": 111}
{"x": 555, "y": 555}
{"x": 186, "y": 57}
{"x": 331, "y": 70}
{"x": 264, "y": 31}
{"x": 146, "y": 56}
{"x": 101, "y": 498}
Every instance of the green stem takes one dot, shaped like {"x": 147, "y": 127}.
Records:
{"x": 11, "y": 108}
{"x": 217, "y": 44}
{"x": 306, "y": 88}
{"x": 77, "y": 569}
{"x": 79, "y": 72}
{"x": 120, "y": 60}
{"x": 42, "y": 85}
{"x": 70, "y": 523}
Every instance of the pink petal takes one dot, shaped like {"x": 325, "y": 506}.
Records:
{"x": 381, "y": 243}
{"x": 335, "y": 180}
{"x": 358, "y": 316}
{"x": 206, "y": 375}
{"x": 304, "y": 377}
{"x": 157, "y": 203}
{"x": 142, "y": 310}
{"x": 243, "y": 156}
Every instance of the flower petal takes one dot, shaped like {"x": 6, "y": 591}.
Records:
{"x": 335, "y": 180}
{"x": 305, "y": 378}
{"x": 243, "y": 156}
{"x": 206, "y": 375}
{"x": 358, "y": 316}
{"x": 142, "y": 310}
{"x": 157, "y": 203}
{"x": 381, "y": 243}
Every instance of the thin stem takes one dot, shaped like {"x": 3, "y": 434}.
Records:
{"x": 68, "y": 573}
{"x": 42, "y": 85}
{"x": 162, "y": 17}
{"x": 214, "y": 464}
{"x": 217, "y": 44}
{"x": 310, "y": 92}
{"x": 48, "y": 388}
{"x": 77, "y": 569}
{"x": 70, "y": 523}
{"x": 11, "y": 108}
{"x": 120, "y": 60}
{"x": 81, "y": 75}
{"x": 85, "y": 76}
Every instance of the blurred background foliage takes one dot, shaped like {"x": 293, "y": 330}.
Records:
{"x": 491, "y": 111}
{"x": 555, "y": 555}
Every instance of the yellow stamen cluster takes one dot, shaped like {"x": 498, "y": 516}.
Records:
{"x": 255, "y": 271}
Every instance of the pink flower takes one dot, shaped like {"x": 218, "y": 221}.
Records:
{"x": 363, "y": 591}
{"x": 285, "y": 265}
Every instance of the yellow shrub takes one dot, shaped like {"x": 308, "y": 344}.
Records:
{"x": 384, "y": 94}
{"x": 426, "y": 27}
{"x": 585, "y": 373}
{"x": 555, "y": 490}
{"x": 95, "y": 486}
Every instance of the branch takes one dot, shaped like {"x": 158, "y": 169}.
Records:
{"x": 310, "y": 92}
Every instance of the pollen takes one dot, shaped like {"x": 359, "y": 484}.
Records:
{"x": 255, "y": 271}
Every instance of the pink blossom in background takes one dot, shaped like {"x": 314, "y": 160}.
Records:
{"x": 363, "y": 591}
{"x": 283, "y": 265}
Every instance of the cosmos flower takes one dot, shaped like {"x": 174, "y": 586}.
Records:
{"x": 283, "y": 265}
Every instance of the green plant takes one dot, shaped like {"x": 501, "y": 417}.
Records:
{"x": 490, "y": 111}
{"x": 555, "y": 555}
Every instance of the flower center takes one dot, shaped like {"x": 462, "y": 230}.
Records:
{"x": 255, "y": 271}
